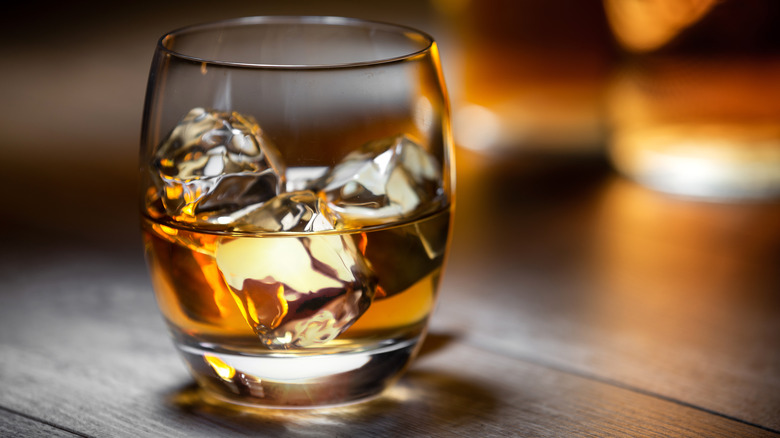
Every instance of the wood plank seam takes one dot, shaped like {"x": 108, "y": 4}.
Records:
{"x": 611, "y": 382}
{"x": 42, "y": 421}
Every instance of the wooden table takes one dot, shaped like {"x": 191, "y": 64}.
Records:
{"x": 575, "y": 304}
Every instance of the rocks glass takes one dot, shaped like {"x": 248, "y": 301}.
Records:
{"x": 296, "y": 199}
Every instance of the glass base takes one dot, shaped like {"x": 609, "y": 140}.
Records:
{"x": 284, "y": 380}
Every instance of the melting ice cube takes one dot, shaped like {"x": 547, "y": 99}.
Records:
{"x": 297, "y": 291}
{"x": 214, "y": 163}
{"x": 295, "y": 211}
{"x": 384, "y": 180}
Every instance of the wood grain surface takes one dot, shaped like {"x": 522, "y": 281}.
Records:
{"x": 13, "y": 424}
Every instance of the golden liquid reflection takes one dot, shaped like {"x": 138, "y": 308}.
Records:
{"x": 668, "y": 272}
{"x": 223, "y": 370}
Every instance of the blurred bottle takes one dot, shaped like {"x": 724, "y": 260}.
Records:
{"x": 531, "y": 74}
{"x": 695, "y": 106}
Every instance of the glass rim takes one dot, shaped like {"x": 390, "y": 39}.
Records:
{"x": 429, "y": 42}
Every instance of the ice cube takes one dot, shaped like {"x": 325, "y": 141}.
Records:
{"x": 297, "y": 291}
{"x": 215, "y": 163}
{"x": 384, "y": 180}
{"x": 295, "y": 211}
{"x": 302, "y": 178}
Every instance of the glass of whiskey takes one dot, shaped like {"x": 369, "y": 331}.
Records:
{"x": 296, "y": 200}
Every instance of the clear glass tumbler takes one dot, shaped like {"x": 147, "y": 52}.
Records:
{"x": 297, "y": 193}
